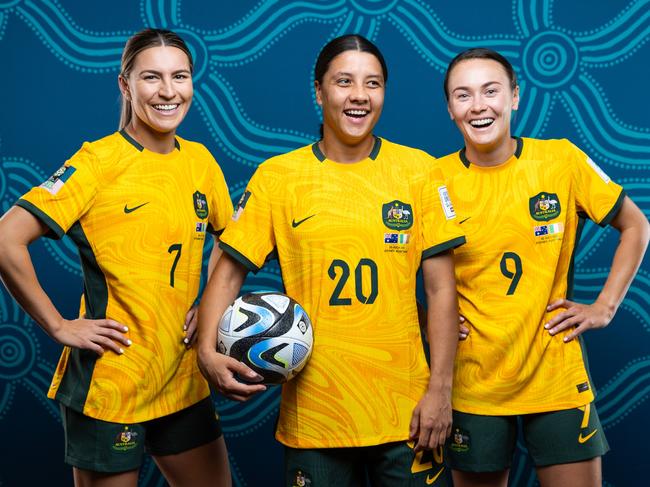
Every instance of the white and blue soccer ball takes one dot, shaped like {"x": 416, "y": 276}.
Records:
{"x": 268, "y": 331}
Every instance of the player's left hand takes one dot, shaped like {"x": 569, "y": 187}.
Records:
{"x": 189, "y": 327}
{"x": 581, "y": 317}
{"x": 431, "y": 421}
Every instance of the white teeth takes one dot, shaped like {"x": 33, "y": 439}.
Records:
{"x": 166, "y": 107}
{"x": 356, "y": 113}
{"x": 482, "y": 122}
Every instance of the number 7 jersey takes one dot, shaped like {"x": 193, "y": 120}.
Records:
{"x": 522, "y": 221}
{"x": 139, "y": 220}
{"x": 349, "y": 239}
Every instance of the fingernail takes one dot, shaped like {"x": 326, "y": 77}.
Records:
{"x": 186, "y": 340}
{"x": 126, "y": 328}
{"x": 129, "y": 342}
{"x": 463, "y": 336}
{"x": 566, "y": 339}
{"x": 184, "y": 327}
{"x": 547, "y": 326}
{"x": 121, "y": 351}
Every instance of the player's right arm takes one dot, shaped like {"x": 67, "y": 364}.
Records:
{"x": 220, "y": 370}
{"x": 19, "y": 228}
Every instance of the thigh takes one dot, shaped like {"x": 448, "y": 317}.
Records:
{"x": 101, "y": 446}
{"x": 481, "y": 443}
{"x": 324, "y": 467}
{"x": 184, "y": 430}
{"x": 567, "y": 436}
{"x": 203, "y": 466}
{"x": 587, "y": 473}
{"x": 398, "y": 464}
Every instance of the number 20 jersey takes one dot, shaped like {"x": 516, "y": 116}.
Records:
{"x": 139, "y": 220}
{"x": 522, "y": 221}
{"x": 349, "y": 239}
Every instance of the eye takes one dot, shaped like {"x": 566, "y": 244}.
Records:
{"x": 374, "y": 84}
{"x": 462, "y": 96}
{"x": 343, "y": 81}
{"x": 149, "y": 77}
{"x": 181, "y": 76}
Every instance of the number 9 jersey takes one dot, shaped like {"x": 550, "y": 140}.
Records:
{"x": 522, "y": 221}
{"x": 349, "y": 239}
{"x": 139, "y": 220}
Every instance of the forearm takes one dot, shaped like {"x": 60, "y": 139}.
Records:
{"x": 222, "y": 288}
{"x": 629, "y": 253}
{"x": 214, "y": 256}
{"x": 442, "y": 321}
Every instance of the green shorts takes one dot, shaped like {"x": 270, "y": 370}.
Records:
{"x": 384, "y": 465}
{"x": 101, "y": 446}
{"x": 487, "y": 443}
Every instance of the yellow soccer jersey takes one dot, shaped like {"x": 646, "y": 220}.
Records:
{"x": 139, "y": 220}
{"x": 522, "y": 221}
{"x": 349, "y": 239}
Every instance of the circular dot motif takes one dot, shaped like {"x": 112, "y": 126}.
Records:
{"x": 17, "y": 352}
{"x": 198, "y": 49}
{"x": 550, "y": 59}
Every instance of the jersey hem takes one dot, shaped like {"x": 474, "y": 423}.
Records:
{"x": 437, "y": 249}
{"x": 519, "y": 411}
{"x": 614, "y": 211}
{"x": 359, "y": 443}
{"x": 56, "y": 232}
{"x": 239, "y": 257}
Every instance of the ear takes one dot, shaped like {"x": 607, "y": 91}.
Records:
{"x": 124, "y": 87}
{"x": 515, "y": 98}
{"x": 319, "y": 97}
{"x": 451, "y": 115}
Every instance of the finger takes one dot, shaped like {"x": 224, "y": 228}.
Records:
{"x": 461, "y": 318}
{"x": 559, "y": 303}
{"x": 413, "y": 426}
{"x": 107, "y": 344}
{"x": 121, "y": 327}
{"x": 114, "y": 335}
{"x": 245, "y": 372}
{"x": 462, "y": 336}
{"x": 566, "y": 324}
{"x": 243, "y": 390}
{"x": 577, "y": 331}
{"x": 559, "y": 318}
{"x": 190, "y": 331}
{"x": 189, "y": 317}
{"x": 93, "y": 347}
{"x": 423, "y": 439}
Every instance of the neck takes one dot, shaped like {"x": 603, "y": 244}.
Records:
{"x": 346, "y": 153}
{"x": 162, "y": 143}
{"x": 490, "y": 155}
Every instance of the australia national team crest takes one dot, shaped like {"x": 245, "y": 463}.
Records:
{"x": 397, "y": 215}
{"x": 200, "y": 205}
{"x": 544, "y": 206}
{"x": 127, "y": 439}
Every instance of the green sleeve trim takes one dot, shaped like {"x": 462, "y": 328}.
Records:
{"x": 212, "y": 231}
{"x": 239, "y": 257}
{"x": 437, "y": 249}
{"x": 613, "y": 212}
{"x": 56, "y": 232}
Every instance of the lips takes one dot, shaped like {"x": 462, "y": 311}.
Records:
{"x": 166, "y": 108}
{"x": 356, "y": 112}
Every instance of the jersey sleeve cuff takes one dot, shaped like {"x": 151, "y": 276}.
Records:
{"x": 56, "y": 232}
{"x": 437, "y": 249}
{"x": 212, "y": 231}
{"x": 239, "y": 257}
{"x": 612, "y": 213}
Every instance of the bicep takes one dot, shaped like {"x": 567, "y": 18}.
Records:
{"x": 20, "y": 226}
{"x": 629, "y": 216}
{"x": 438, "y": 272}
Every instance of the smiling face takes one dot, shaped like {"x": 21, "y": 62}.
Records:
{"x": 480, "y": 103}
{"x": 159, "y": 87}
{"x": 352, "y": 96}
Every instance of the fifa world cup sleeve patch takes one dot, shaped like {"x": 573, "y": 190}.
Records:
{"x": 598, "y": 170}
{"x": 446, "y": 203}
{"x": 58, "y": 179}
{"x": 239, "y": 209}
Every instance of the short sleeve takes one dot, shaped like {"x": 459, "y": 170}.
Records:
{"x": 440, "y": 228}
{"x": 220, "y": 203}
{"x": 596, "y": 194}
{"x": 249, "y": 236}
{"x": 65, "y": 196}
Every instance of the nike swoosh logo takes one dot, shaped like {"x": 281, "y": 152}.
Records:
{"x": 295, "y": 223}
{"x": 129, "y": 210}
{"x": 463, "y": 221}
{"x": 584, "y": 439}
{"x": 431, "y": 479}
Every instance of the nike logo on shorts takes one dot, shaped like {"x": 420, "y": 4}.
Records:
{"x": 431, "y": 479}
{"x": 129, "y": 210}
{"x": 584, "y": 439}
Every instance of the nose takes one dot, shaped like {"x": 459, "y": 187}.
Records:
{"x": 478, "y": 105}
{"x": 359, "y": 94}
{"x": 166, "y": 89}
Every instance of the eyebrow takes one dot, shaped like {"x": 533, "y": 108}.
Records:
{"x": 484, "y": 85}
{"x": 345, "y": 73}
{"x": 153, "y": 71}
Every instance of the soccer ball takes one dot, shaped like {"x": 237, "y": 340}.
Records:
{"x": 268, "y": 331}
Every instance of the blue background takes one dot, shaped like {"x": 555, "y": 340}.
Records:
{"x": 584, "y": 68}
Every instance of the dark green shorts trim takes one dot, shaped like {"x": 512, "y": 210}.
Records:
{"x": 386, "y": 465}
{"x": 102, "y": 446}
{"x": 487, "y": 443}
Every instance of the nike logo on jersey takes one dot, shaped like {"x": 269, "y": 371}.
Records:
{"x": 464, "y": 220}
{"x": 129, "y": 210}
{"x": 295, "y": 223}
{"x": 584, "y": 439}
{"x": 430, "y": 480}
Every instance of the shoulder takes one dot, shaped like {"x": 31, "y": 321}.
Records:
{"x": 404, "y": 152}
{"x": 195, "y": 150}
{"x": 289, "y": 161}
{"x": 103, "y": 152}
{"x": 548, "y": 148}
